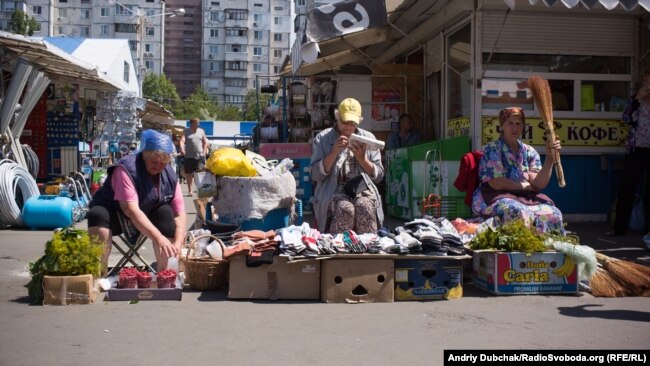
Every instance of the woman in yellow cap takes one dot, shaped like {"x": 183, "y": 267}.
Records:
{"x": 346, "y": 197}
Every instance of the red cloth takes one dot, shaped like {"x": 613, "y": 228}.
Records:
{"x": 467, "y": 179}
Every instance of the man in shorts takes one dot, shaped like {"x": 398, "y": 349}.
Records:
{"x": 194, "y": 147}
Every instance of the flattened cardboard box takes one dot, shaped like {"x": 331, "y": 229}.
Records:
{"x": 429, "y": 279}
{"x": 151, "y": 293}
{"x": 281, "y": 280}
{"x": 66, "y": 290}
{"x": 357, "y": 280}
{"x": 516, "y": 273}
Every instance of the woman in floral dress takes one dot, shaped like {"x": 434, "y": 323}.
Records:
{"x": 512, "y": 175}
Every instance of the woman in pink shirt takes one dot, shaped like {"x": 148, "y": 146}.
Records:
{"x": 146, "y": 190}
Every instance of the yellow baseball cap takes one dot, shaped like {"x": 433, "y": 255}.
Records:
{"x": 350, "y": 110}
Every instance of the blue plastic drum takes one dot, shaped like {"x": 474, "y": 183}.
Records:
{"x": 48, "y": 212}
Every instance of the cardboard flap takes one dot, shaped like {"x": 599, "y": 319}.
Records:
{"x": 65, "y": 290}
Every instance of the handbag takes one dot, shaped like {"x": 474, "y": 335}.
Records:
{"x": 355, "y": 186}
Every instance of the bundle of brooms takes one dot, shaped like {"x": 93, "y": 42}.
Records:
{"x": 544, "y": 101}
{"x": 618, "y": 278}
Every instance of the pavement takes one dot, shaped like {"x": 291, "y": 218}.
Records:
{"x": 207, "y": 328}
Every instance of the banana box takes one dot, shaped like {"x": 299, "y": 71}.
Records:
{"x": 432, "y": 278}
{"x": 517, "y": 273}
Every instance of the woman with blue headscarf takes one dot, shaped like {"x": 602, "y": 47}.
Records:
{"x": 145, "y": 189}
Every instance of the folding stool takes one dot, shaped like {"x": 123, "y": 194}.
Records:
{"x": 131, "y": 241}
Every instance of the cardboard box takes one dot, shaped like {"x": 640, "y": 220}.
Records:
{"x": 281, "y": 280}
{"x": 152, "y": 293}
{"x": 357, "y": 280}
{"x": 516, "y": 273}
{"x": 66, "y": 290}
{"x": 429, "y": 278}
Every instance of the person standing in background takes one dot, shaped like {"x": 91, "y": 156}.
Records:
{"x": 194, "y": 148}
{"x": 405, "y": 136}
{"x": 637, "y": 160}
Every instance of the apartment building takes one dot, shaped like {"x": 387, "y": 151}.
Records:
{"x": 183, "y": 37}
{"x": 243, "y": 41}
{"x": 107, "y": 19}
{"x": 225, "y": 46}
{"x": 6, "y": 9}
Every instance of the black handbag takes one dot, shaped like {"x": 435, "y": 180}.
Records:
{"x": 355, "y": 186}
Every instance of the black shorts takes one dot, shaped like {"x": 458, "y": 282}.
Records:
{"x": 191, "y": 165}
{"x": 162, "y": 218}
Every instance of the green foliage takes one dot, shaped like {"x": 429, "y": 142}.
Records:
{"x": 229, "y": 113}
{"x": 253, "y": 111}
{"x": 21, "y": 23}
{"x": 161, "y": 90}
{"x": 198, "y": 104}
{"x": 514, "y": 236}
{"x": 70, "y": 252}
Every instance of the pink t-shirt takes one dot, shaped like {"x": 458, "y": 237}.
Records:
{"x": 125, "y": 191}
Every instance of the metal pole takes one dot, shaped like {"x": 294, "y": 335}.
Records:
{"x": 141, "y": 67}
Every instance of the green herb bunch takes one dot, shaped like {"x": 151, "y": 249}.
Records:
{"x": 513, "y": 236}
{"x": 70, "y": 252}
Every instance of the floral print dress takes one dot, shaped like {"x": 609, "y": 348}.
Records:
{"x": 500, "y": 161}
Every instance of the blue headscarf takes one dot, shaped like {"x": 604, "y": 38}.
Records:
{"x": 152, "y": 140}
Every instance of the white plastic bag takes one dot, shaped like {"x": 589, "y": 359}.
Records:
{"x": 206, "y": 184}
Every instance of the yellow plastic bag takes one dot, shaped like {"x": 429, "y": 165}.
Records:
{"x": 231, "y": 162}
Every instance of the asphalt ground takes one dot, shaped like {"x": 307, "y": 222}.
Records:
{"x": 206, "y": 328}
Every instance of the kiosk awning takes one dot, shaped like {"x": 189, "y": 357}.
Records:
{"x": 411, "y": 22}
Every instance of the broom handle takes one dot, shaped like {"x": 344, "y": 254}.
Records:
{"x": 559, "y": 172}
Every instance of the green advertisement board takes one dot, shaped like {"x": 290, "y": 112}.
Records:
{"x": 415, "y": 172}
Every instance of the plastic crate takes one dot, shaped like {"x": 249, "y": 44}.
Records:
{"x": 453, "y": 207}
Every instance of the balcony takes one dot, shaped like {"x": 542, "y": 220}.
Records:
{"x": 237, "y": 40}
{"x": 236, "y": 73}
{"x": 236, "y": 56}
{"x": 236, "y": 23}
{"x": 235, "y": 90}
{"x": 214, "y": 74}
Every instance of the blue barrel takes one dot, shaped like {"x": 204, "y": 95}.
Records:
{"x": 274, "y": 219}
{"x": 47, "y": 212}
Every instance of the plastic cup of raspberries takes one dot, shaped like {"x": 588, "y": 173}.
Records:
{"x": 166, "y": 278}
{"x": 144, "y": 279}
{"x": 128, "y": 278}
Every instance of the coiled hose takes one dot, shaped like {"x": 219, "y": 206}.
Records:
{"x": 32, "y": 160}
{"x": 16, "y": 187}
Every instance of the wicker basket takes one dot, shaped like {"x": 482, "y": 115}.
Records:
{"x": 205, "y": 273}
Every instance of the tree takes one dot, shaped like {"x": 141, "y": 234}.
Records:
{"x": 161, "y": 90}
{"x": 198, "y": 104}
{"x": 254, "y": 104}
{"x": 21, "y": 23}
{"x": 230, "y": 112}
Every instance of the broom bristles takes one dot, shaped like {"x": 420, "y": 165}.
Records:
{"x": 543, "y": 98}
{"x": 636, "y": 277}
{"x": 604, "y": 285}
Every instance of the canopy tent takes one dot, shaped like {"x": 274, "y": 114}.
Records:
{"x": 55, "y": 62}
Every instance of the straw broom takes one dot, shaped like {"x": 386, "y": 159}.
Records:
{"x": 635, "y": 277}
{"x": 542, "y": 96}
{"x": 602, "y": 284}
